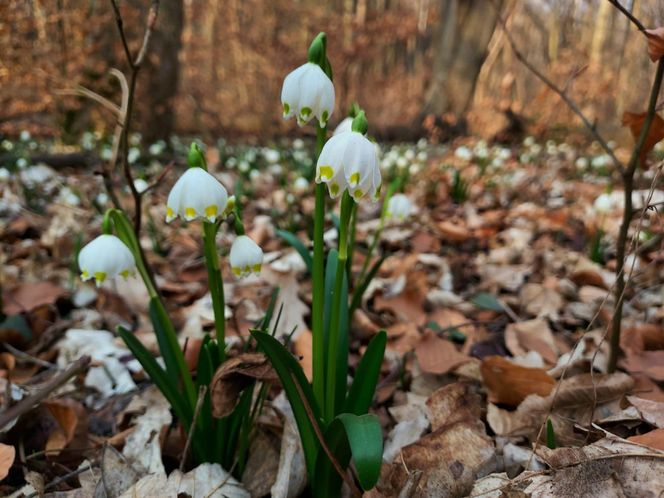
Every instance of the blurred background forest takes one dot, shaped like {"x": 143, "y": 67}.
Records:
{"x": 215, "y": 67}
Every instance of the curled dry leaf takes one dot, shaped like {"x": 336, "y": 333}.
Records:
{"x": 234, "y": 376}
{"x": 532, "y": 335}
{"x": 653, "y": 439}
{"x": 651, "y": 411}
{"x": 655, "y": 43}
{"x": 510, "y": 384}
{"x": 655, "y": 133}
{"x": 7, "y": 456}
{"x": 454, "y": 403}
{"x": 72, "y": 420}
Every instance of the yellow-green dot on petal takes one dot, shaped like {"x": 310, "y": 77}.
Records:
{"x": 354, "y": 179}
{"x": 257, "y": 268}
{"x": 124, "y": 273}
{"x": 286, "y": 109}
{"x": 247, "y": 269}
{"x": 325, "y": 116}
{"x": 334, "y": 188}
{"x": 189, "y": 212}
{"x": 100, "y": 276}
{"x": 236, "y": 271}
{"x": 169, "y": 212}
{"x": 305, "y": 112}
{"x": 85, "y": 274}
{"x": 211, "y": 212}
{"x": 326, "y": 172}
{"x": 358, "y": 193}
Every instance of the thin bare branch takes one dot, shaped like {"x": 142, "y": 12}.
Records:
{"x": 561, "y": 93}
{"x": 627, "y": 14}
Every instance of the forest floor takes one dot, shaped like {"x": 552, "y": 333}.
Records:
{"x": 496, "y": 295}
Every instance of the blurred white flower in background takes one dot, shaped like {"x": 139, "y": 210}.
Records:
{"x": 399, "y": 207}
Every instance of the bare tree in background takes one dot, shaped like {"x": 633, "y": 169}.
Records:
{"x": 460, "y": 48}
{"x": 162, "y": 70}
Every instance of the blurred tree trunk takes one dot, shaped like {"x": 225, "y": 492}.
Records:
{"x": 600, "y": 33}
{"x": 162, "y": 72}
{"x": 460, "y": 45}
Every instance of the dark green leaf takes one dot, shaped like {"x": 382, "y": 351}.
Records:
{"x": 290, "y": 372}
{"x": 364, "y": 383}
{"x": 487, "y": 301}
{"x": 17, "y": 323}
{"x": 296, "y": 244}
{"x": 366, "y": 443}
{"x": 550, "y": 435}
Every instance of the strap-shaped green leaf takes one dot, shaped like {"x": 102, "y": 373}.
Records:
{"x": 365, "y": 438}
{"x": 297, "y": 244}
{"x": 157, "y": 374}
{"x": 290, "y": 372}
{"x": 362, "y": 389}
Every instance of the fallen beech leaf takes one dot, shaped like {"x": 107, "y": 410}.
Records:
{"x": 27, "y": 296}
{"x": 651, "y": 411}
{"x": 438, "y": 356}
{"x": 654, "y": 439}
{"x": 233, "y": 376}
{"x": 531, "y": 335}
{"x": 453, "y": 231}
{"x": 454, "y": 403}
{"x": 7, "y": 456}
{"x": 509, "y": 384}
{"x": 67, "y": 413}
{"x": 655, "y": 133}
{"x": 303, "y": 345}
{"x": 540, "y": 301}
{"x": 650, "y": 363}
{"x": 642, "y": 337}
{"x": 655, "y": 43}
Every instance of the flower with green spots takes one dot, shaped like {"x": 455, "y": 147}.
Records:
{"x": 308, "y": 92}
{"x": 349, "y": 161}
{"x": 399, "y": 207}
{"x": 246, "y": 256}
{"x": 105, "y": 257}
{"x": 197, "y": 194}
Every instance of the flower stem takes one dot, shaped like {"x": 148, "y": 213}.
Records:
{"x": 318, "y": 297}
{"x": 216, "y": 285}
{"x": 335, "y": 313}
{"x": 351, "y": 242}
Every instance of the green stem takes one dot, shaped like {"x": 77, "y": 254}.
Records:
{"x": 351, "y": 243}
{"x": 216, "y": 285}
{"x": 335, "y": 313}
{"x": 318, "y": 297}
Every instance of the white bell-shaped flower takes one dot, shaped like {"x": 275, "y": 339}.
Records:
{"x": 308, "y": 92}
{"x": 105, "y": 257}
{"x": 399, "y": 207}
{"x": 603, "y": 204}
{"x": 349, "y": 161}
{"x": 345, "y": 125}
{"x": 246, "y": 256}
{"x": 197, "y": 194}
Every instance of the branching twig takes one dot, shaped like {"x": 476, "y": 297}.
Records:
{"x": 28, "y": 403}
{"x": 561, "y": 93}
{"x": 628, "y": 14}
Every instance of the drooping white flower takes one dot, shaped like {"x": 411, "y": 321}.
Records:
{"x": 349, "y": 161}
{"x": 197, "y": 194}
{"x": 301, "y": 185}
{"x": 603, "y": 204}
{"x": 463, "y": 153}
{"x": 345, "y": 125}
{"x": 141, "y": 185}
{"x": 399, "y": 207}
{"x": 308, "y": 92}
{"x": 105, "y": 257}
{"x": 246, "y": 256}
{"x": 272, "y": 156}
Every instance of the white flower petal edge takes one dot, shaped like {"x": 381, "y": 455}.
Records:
{"x": 196, "y": 194}
{"x": 246, "y": 257}
{"x": 105, "y": 257}
{"x": 308, "y": 92}
{"x": 399, "y": 207}
{"x": 349, "y": 161}
{"x": 345, "y": 125}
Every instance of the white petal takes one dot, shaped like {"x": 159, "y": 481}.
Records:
{"x": 245, "y": 257}
{"x": 290, "y": 91}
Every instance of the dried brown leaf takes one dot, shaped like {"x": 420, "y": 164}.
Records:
{"x": 654, "y": 439}
{"x": 531, "y": 335}
{"x": 454, "y": 403}
{"x": 233, "y": 376}
{"x": 655, "y": 43}
{"x": 30, "y": 295}
{"x": 651, "y": 411}
{"x": 509, "y": 384}
{"x": 438, "y": 356}
{"x": 7, "y": 456}
{"x": 635, "y": 122}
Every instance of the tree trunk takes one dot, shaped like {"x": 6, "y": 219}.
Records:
{"x": 162, "y": 68}
{"x": 600, "y": 33}
{"x": 460, "y": 43}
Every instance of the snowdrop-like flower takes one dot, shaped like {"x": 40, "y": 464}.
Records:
{"x": 301, "y": 185}
{"x": 345, "y": 125}
{"x": 25, "y": 136}
{"x": 4, "y": 175}
{"x": 271, "y": 156}
{"x": 308, "y": 92}
{"x": 603, "y": 204}
{"x": 399, "y": 207}
{"x": 141, "y": 185}
{"x": 349, "y": 161}
{"x": 581, "y": 163}
{"x": 463, "y": 153}
{"x": 197, "y": 194}
{"x": 105, "y": 257}
{"x": 246, "y": 256}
